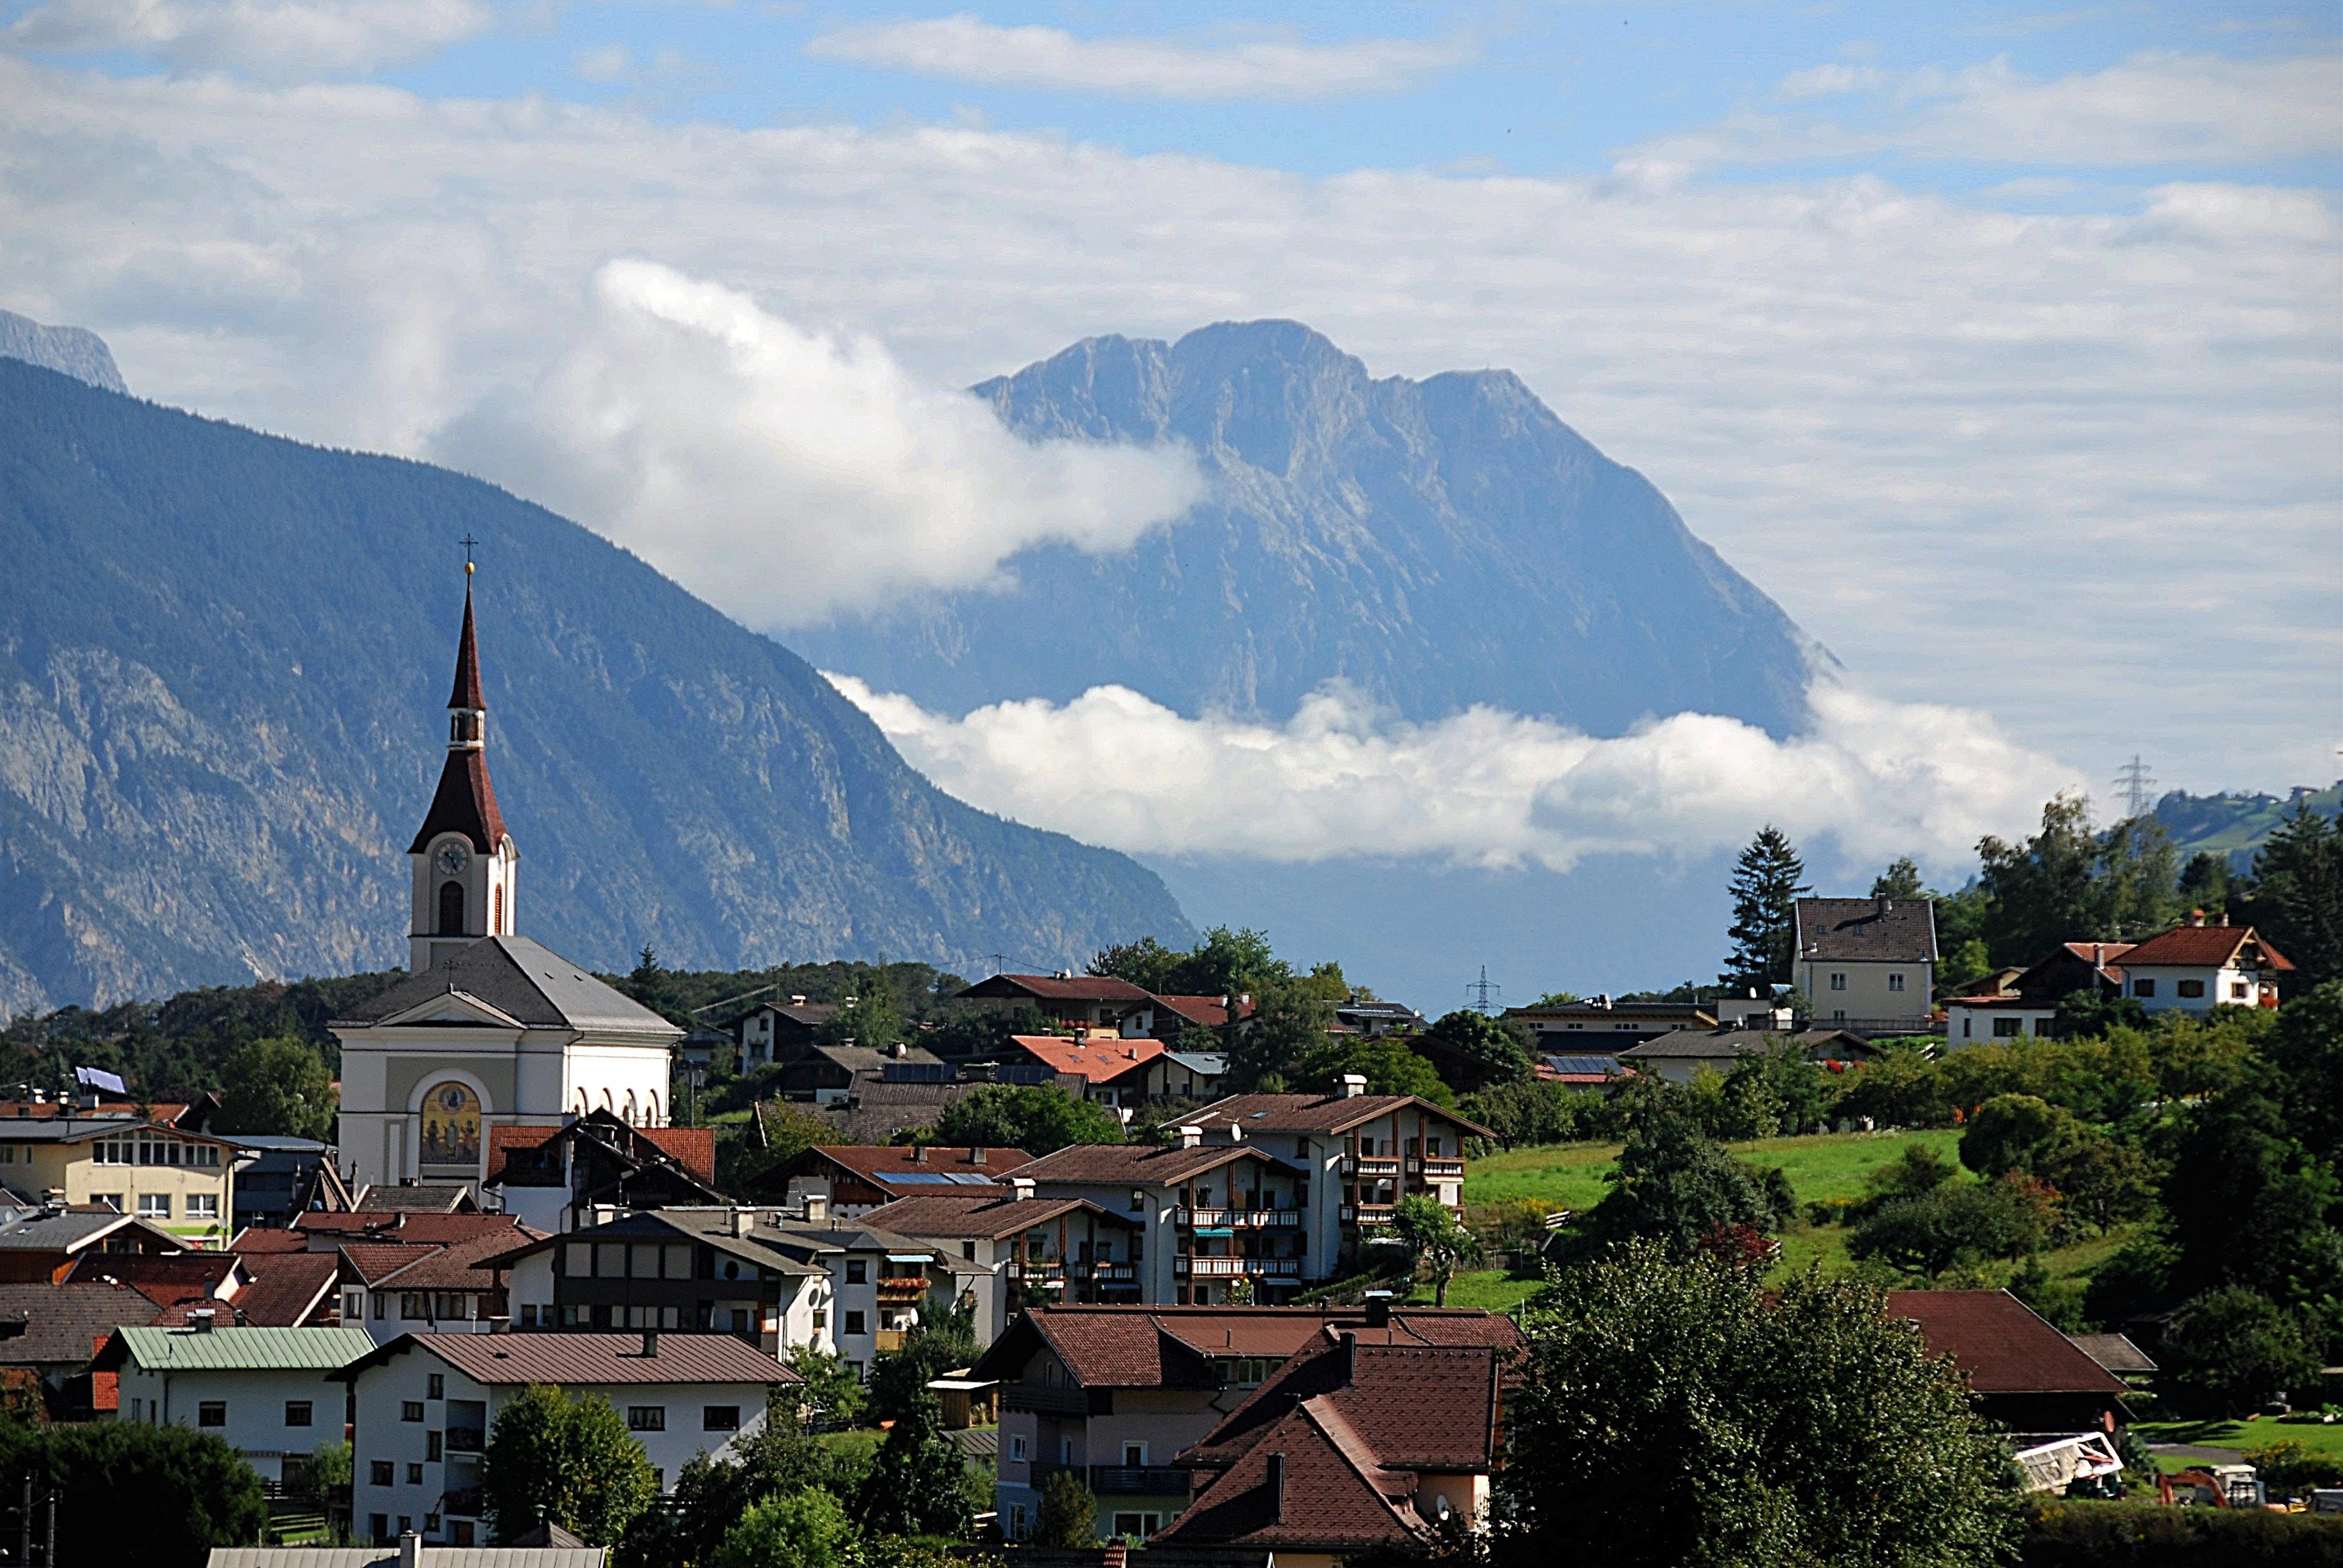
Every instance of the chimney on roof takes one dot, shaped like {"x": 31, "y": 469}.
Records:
{"x": 743, "y": 1221}
{"x": 1191, "y": 1135}
{"x": 1379, "y": 1308}
{"x": 410, "y": 1550}
{"x": 2196, "y": 917}
{"x": 918, "y": 1154}
{"x": 1882, "y": 904}
{"x": 817, "y": 1207}
{"x": 650, "y": 1344}
{"x": 976, "y": 1155}
{"x": 1020, "y": 1189}
{"x": 796, "y": 1000}
{"x": 1276, "y": 1489}
{"x": 1355, "y": 1084}
{"x": 200, "y": 1319}
{"x": 898, "y": 1051}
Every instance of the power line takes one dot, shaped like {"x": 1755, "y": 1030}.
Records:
{"x": 2136, "y": 786}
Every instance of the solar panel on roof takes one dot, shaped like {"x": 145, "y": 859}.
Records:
{"x": 1601, "y": 1065}
{"x": 965, "y": 1178}
{"x": 917, "y": 1178}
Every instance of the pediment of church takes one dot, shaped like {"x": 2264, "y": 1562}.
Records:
{"x": 453, "y": 1007}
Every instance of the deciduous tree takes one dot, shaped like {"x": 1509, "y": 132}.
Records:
{"x": 568, "y": 1459}
{"x": 1432, "y": 1241}
{"x": 1036, "y": 1118}
{"x": 279, "y": 1086}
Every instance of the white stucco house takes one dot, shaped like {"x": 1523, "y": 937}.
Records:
{"x": 269, "y": 1392}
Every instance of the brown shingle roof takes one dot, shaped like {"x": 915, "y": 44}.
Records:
{"x": 287, "y": 1287}
{"x": 1328, "y": 1494}
{"x": 459, "y": 1266}
{"x": 64, "y": 1324}
{"x": 371, "y": 1263}
{"x": 909, "y": 1171}
{"x": 591, "y": 1360}
{"x": 1135, "y": 1164}
{"x": 1867, "y": 930}
{"x": 1417, "y": 1406}
{"x": 1204, "y": 1012}
{"x": 1322, "y": 1114}
{"x": 2202, "y": 947}
{"x": 694, "y": 1148}
{"x": 1078, "y": 988}
{"x": 2003, "y": 1346}
{"x": 260, "y": 1240}
{"x": 1168, "y": 1346}
{"x": 975, "y": 1215}
{"x": 407, "y": 1229}
{"x": 171, "y": 1277}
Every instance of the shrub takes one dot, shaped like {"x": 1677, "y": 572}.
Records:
{"x": 2145, "y": 1535}
{"x": 2232, "y": 1351}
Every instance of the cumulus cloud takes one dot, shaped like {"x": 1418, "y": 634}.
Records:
{"x": 1341, "y": 781}
{"x": 784, "y": 474}
{"x": 967, "y": 48}
{"x": 272, "y": 38}
{"x": 1978, "y": 452}
{"x": 1829, "y": 81}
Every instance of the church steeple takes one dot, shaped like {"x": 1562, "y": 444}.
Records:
{"x": 464, "y": 858}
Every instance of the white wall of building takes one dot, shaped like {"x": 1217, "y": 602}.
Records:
{"x": 254, "y": 1407}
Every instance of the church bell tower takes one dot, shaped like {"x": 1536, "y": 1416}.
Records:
{"x": 464, "y": 860}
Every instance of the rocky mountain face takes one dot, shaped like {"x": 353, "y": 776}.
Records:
{"x": 1433, "y": 543}
{"x": 69, "y": 350}
{"x": 224, "y": 659}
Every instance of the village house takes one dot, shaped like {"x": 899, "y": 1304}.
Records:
{"x": 290, "y": 1286}
{"x": 2024, "y": 1375}
{"x": 854, "y": 1178}
{"x": 423, "y": 1405}
{"x": 1599, "y": 1026}
{"x": 46, "y": 1243}
{"x": 180, "y": 1180}
{"x": 679, "y": 1269}
{"x": 1367, "y": 1439}
{"x": 1114, "y": 1394}
{"x": 1867, "y": 964}
{"x": 48, "y": 1332}
{"x": 828, "y": 1075}
{"x": 446, "y": 1288}
{"x": 268, "y": 1392}
{"x": 1083, "y": 1004}
{"x": 2197, "y": 967}
{"x": 2014, "y": 1004}
{"x": 1185, "y": 1075}
{"x": 1026, "y": 1251}
{"x": 1677, "y": 1058}
{"x": 1205, "y": 1217}
{"x": 778, "y": 1030}
{"x": 1111, "y": 1069}
{"x": 550, "y": 1177}
{"x": 1354, "y": 1156}
{"x": 277, "y": 1177}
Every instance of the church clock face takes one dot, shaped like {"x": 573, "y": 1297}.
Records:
{"x": 453, "y": 857}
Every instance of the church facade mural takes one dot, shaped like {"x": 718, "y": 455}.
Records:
{"x": 451, "y": 1125}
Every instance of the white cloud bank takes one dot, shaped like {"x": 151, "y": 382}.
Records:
{"x": 967, "y": 48}
{"x": 784, "y": 474}
{"x": 1485, "y": 787}
{"x": 270, "y": 38}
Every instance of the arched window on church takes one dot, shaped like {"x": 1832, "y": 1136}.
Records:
{"x": 451, "y": 909}
{"x": 584, "y": 1105}
{"x": 630, "y": 1108}
{"x": 651, "y": 1112}
{"x": 496, "y": 925}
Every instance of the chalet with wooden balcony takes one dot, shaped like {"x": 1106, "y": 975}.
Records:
{"x": 1112, "y": 1394}
{"x": 1353, "y": 1155}
{"x": 1026, "y": 1251}
{"x": 1204, "y": 1216}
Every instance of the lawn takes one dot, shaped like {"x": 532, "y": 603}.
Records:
{"x": 1571, "y": 1175}
{"x": 2318, "y": 1439}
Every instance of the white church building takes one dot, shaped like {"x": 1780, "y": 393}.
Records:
{"x": 492, "y": 1029}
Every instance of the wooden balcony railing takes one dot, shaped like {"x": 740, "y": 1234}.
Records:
{"x": 1139, "y": 1481}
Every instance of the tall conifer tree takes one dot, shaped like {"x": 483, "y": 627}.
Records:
{"x": 1765, "y": 887}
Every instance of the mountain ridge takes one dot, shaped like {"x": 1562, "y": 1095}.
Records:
{"x": 74, "y": 351}
{"x": 223, "y": 663}
{"x": 1432, "y": 543}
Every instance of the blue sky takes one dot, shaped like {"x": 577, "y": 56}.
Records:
{"x": 2002, "y": 346}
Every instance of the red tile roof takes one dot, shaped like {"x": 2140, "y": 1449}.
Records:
{"x": 1327, "y": 1495}
{"x": 1419, "y": 1407}
{"x": 694, "y": 1148}
{"x": 876, "y": 1163}
{"x": 2203, "y": 947}
{"x": 591, "y": 1360}
{"x": 2004, "y": 1347}
{"x": 172, "y": 1279}
{"x": 1168, "y": 1346}
{"x": 1097, "y": 1060}
{"x": 502, "y": 1139}
{"x": 409, "y": 1226}
{"x": 1204, "y": 1012}
{"x": 457, "y": 1266}
{"x": 260, "y": 1240}
{"x": 371, "y": 1263}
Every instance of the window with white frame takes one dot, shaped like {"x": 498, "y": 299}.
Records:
{"x": 1838, "y": 980}
{"x": 154, "y": 1205}
{"x": 203, "y": 1205}
{"x": 1894, "y": 979}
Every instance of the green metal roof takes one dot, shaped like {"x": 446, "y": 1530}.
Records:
{"x": 246, "y": 1349}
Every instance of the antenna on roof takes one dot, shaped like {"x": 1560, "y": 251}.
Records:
{"x": 2136, "y": 788}
{"x": 1484, "y": 992}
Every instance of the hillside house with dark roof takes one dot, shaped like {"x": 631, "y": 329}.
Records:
{"x": 1600, "y": 1027}
{"x": 2012, "y": 1004}
{"x": 45, "y": 1244}
{"x": 424, "y": 1404}
{"x": 778, "y": 1030}
{"x": 2197, "y": 967}
{"x": 1368, "y": 1439}
{"x": 1678, "y": 1057}
{"x": 1085, "y": 1004}
{"x": 1867, "y": 964}
{"x": 1114, "y": 1394}
{"x": 51, "y": 1331}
